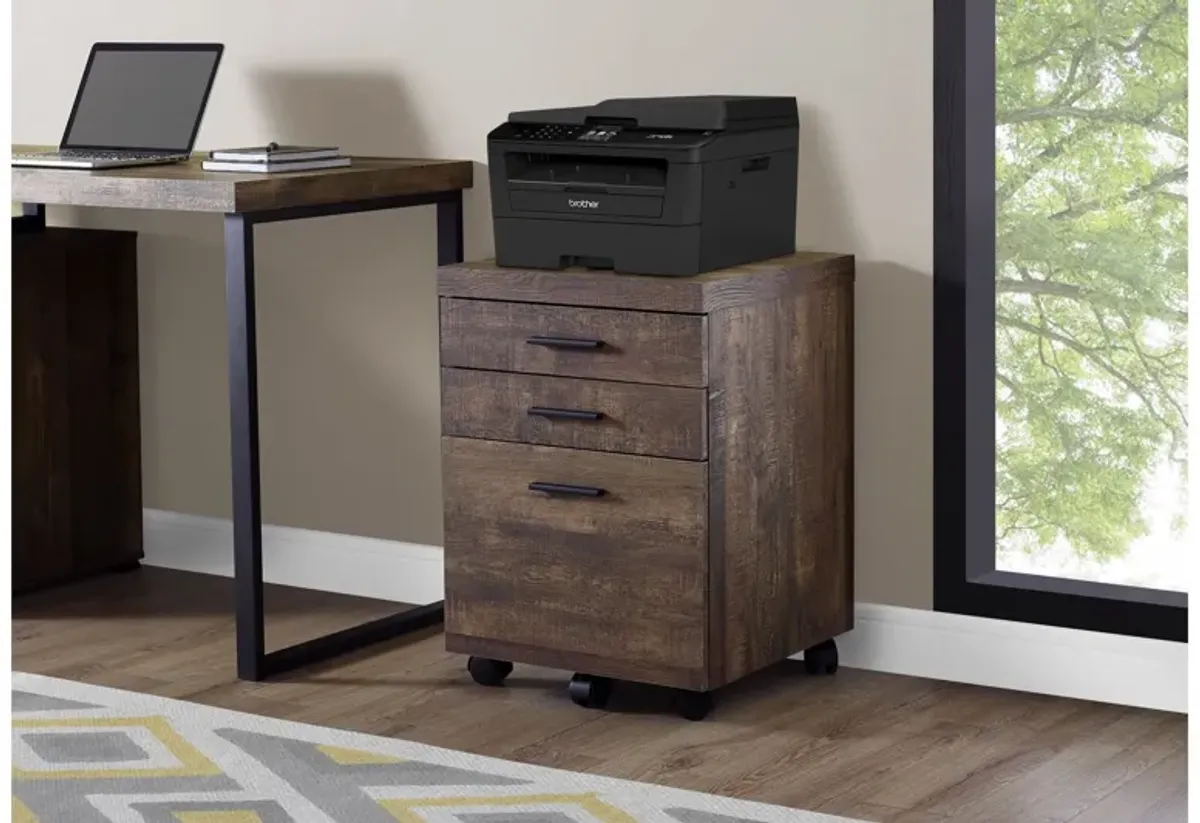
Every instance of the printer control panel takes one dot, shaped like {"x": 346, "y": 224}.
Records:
{"x": 600, "y": 134}
{"x": 551, "y": 132}
{"x": 609, "y": 133}
{"x": 560, "y": 133}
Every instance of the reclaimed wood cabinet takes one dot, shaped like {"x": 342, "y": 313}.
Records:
{"x": 648, "y": 479}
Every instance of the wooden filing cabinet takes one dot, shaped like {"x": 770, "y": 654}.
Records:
{"x": 648, "y": 479}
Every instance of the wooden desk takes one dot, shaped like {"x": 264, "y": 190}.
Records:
{"x": 369, "y": 184}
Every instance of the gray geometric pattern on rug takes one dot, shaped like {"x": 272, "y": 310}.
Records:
{"x": 69, "y": 801}
{"x": 268, "y": 811}
{"x": 86, "y": 754}
{"x": 30, "y": 702}
{"x": 694, "y": 816}
{"x": 85, "y": 747}
{"x": 519, "y": 817}
{"x": 337, "y": 789}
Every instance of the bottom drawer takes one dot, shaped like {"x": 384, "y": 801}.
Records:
{"x": 608, "y": 561}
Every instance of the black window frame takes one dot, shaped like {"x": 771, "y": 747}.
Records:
{"x": 966, "y": 580}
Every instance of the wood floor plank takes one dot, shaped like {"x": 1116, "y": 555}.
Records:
{"x": 865, "y": 745}
{"x": 1157, "y": 795}
{"x": 1065, "y": 777}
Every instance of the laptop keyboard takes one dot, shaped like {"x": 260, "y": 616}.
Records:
{"x": 83, "y": 154}
{"x": 109, "y": 155}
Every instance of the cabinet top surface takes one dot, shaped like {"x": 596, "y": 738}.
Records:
{"x": 699, "y": 294}
{"x": 187, "y": 187}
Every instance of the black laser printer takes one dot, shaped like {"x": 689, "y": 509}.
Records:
{"x": 665, "y": 185}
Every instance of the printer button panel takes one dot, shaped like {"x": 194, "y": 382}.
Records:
{"x": 565, "y": 133}
{"x": 603, "y": 134}
{"x": 549, "y": 132}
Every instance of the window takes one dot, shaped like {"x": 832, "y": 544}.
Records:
{"x": 1061, "y": 312}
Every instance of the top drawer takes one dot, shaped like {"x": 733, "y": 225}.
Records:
{"x": 603, "y": 344}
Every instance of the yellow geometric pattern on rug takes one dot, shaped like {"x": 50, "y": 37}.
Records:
{"x": 194, "y": 764}
{"x": 404, "y": 809}
{"x": 356, "y": 757}
{"x": 217, "y": 817}
{"x": 21, "y": 813}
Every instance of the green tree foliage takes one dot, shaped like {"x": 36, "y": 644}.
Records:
{"x": 1091, "y": 277}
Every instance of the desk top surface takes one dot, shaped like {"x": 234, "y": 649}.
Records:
{"x": 186, "y": 187}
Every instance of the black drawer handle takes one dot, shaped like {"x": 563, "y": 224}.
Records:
{"x": 567, "y": 489}
{"x": 564, "y": 414}
{"x": 564, "y": 342}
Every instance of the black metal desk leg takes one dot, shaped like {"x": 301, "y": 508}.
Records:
{"x": 243, "y": 404}
{"x": 253, "y": 660}
{"x": 450, "y": 230}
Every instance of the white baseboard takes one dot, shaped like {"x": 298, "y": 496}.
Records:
{"x": 344, "y": 563}
{"x": 1018, "y": 656}
{"x": 1108, "y": 668}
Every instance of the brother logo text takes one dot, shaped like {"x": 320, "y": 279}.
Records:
{"x": 583, "y": 204}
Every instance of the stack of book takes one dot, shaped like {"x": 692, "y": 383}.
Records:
{"x": 274, "y": 158}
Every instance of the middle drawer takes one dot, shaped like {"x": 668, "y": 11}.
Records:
{"x": 658, "y": 421}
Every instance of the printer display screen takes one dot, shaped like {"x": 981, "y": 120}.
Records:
{"x": 600, "y": 134}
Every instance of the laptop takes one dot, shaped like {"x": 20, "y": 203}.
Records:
{"x": 138, "y": 104}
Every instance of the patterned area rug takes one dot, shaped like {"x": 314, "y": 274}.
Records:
{"x": 86, "y": 754}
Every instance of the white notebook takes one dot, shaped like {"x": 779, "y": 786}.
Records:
{"x": 275, "y": 168}
{"x": 274, "y": 151}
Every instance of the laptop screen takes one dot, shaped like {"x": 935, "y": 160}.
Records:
{"x": 142, "y": 96}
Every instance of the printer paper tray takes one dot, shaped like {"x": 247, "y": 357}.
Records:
{"x": 586, "y": 188}
{"x": 585, "y": 203}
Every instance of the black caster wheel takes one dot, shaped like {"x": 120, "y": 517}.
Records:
{"x": 588, "y": 691}
{"x": 488, "y": 672}
{"x": 821, "y": 658}
{"x": 693, "y": 705}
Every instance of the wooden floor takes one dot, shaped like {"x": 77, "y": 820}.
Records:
{"x": 861, "y": 744}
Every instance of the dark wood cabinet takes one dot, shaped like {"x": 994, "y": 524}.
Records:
{"x": 77, "y": 494}
{"x": 648, "y": 479}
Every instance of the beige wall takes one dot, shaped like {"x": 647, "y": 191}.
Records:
{"x": 349, "y": 388}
